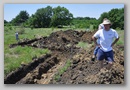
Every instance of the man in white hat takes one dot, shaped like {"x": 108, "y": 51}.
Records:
{"x": 106, "y": 42}
{"x": 101, "y": 26}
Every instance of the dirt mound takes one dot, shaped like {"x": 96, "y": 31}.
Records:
{"x": 63, "y": 45}
{"x": 84, "y": 71}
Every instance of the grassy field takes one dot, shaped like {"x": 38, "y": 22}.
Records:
{"x": 13, "y": 57}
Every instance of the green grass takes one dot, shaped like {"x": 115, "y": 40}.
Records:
{"x": 16, "y": 56}
{"x": 62, "y": 70}
{"x": 121, "y": 35}
{"x": 13, "y": 57}
{"x": 83, "y": 45}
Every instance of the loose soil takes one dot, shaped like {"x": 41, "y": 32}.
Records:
{"x": 63, "y": 46}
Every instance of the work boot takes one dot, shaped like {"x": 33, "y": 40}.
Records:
{"x": 93, "y": 58}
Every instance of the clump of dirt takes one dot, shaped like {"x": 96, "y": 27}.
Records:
{"x": 63, "y": 46}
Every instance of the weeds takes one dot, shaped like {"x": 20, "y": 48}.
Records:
{"x": 62, "y": 70}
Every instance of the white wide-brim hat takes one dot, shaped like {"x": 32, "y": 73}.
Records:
{"x": 106, "y": 22}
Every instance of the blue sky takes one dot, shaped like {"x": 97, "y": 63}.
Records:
{"x": 78, "y": 10}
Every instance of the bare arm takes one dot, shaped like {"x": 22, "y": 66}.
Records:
{"x": 94, "y": 39}
{"x": 115, "y": 41}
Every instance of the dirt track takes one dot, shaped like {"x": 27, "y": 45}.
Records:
{"x": 63, "y": 45}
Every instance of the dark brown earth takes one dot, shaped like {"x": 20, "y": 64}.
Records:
{"x": 63, "y": 46}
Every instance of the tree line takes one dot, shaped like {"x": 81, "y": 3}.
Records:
{"x": 60, "y": 16}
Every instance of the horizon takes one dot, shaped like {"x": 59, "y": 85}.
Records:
{"x": 85, "y": 10}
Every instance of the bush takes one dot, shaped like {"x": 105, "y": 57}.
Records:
{"x": 21, "y": 30}
{"x": 118, "y": 28}
{"x": 59, "y": 26}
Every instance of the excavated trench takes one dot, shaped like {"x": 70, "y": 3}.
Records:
{"x": 63, "y": 46}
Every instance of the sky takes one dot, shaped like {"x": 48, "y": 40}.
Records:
{"x": 78, "y": 10}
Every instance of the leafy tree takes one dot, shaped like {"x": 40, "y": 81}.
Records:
{"x": 5, "y": 22}
{"x": 103, "y": 15}
{"x": 41, "y": 18}
{"x": 53, "y": 17}
{"x": 31, "y": 22}
{"x": 117, "y": 18}
{"x": 61, "y": 16}
{"x": 20, "y": 18}
{"x": 85, "y": 22}
{"x": 121, "y": 23}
